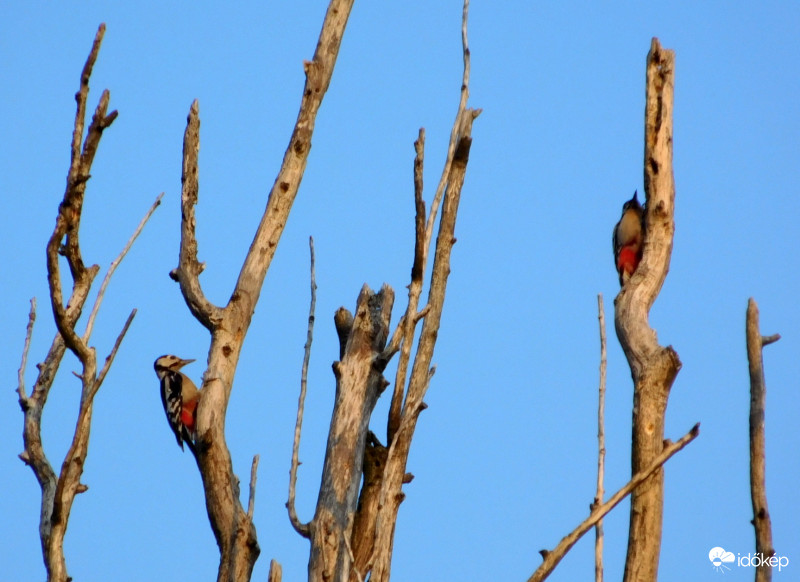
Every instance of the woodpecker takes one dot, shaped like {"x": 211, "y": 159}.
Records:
{"x": 627, "y": 239}
{"x": 179, "y": 396}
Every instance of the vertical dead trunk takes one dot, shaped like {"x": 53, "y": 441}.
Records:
{"x": 758, "y": 401}
{"x": 359, "y": 382}
{"x": 653, "y": 367}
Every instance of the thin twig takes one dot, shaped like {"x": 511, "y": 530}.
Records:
{"x": 302, "y": 528}
{"x": 110, "y": 358}
{"x": 769, "y": 339}
{"x": 601, "y": 442}
{"x": 401, "y": 433}
{"x": 114, "y": 264}
{"x": 552, "y": 558}
{"x": 252, "y": 501}
{"x": 394, "y": 343}
{"x": 23, "y": 398}
{"x": 455, "y": 132}
{"x": 409, "y": 320}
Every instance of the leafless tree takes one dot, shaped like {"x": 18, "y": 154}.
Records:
{"x": 232, "y": 526}
{"x": 653, "y": 367}
{"x": 59, "y": 490}
{"x": 352, "y": 532}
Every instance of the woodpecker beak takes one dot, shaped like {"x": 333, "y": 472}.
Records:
{"x": 184, "y": 362}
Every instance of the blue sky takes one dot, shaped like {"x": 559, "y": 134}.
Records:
{"x": 505, "y": 455}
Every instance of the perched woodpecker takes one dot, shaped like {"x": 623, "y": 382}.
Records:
{"x": 627, "y": 239}
{"x": 179, "y": 396}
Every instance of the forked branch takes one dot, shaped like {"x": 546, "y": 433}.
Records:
{"x": 234, "y": 533}
{"x": 59, "y": 491}
{"x": 403, "y": 417}
{"x": 351, "y": 534}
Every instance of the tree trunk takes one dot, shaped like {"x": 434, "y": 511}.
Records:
{"x": 359, "y": 382}
{"x": 653, "y": 367}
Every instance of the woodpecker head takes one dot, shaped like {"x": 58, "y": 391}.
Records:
{"x": 632, "y": 204}
{"x": 169, "y": 363}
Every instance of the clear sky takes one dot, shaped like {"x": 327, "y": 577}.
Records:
{"x": 505, "y": 455}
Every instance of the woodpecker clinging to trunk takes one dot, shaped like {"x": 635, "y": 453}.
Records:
{"x": 627, "y": 239}
{"x": 179, "y": 396}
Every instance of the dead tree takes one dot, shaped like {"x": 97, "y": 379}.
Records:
{"x": 59, "y": 490}
{"x": 653, "y": 367}
{"x": 233, "y": 527}
{"x": 351, "y": 533}
{"x": 758, "y": 403}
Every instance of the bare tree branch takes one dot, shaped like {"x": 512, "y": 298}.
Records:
{"x": 421, "y": 372}
{"x": 394, "y": 474}
{"x": 300, "y": 527}
{"x": 601, "y": 442}
{"x": 455, "y": 132}
{"x": 758, "y": 404}
{"x": 653, "y": 367}
{"x": 553, "y": 557}
{"x": 59, "y": 491}
{"x": 235, "y": 535}
{"x": 409, "y": 321}
{"x": 110, "y": 358}
{"x": 189, "y": 268}
{"x": 253, "y": 475}
{"x": 114, "y": 264}
{"x": 23, "y": 397}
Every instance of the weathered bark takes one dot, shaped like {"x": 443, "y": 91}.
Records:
{"x": 359, "y": 382}
{"x": 758, "y": 400}
{"x": 421, "y": 372}
{"x": 59, "y": 491}
{"x": 363, "y": 538}
{"x": 653, "y": 367}
{"x": 351, "y": 536}
{"x": 234, "y": 532}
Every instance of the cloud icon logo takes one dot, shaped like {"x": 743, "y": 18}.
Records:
{"x": 719, "y": 557}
